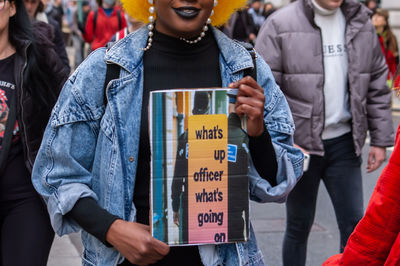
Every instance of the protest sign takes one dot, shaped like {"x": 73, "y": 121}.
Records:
{"x": 199, "y": 183}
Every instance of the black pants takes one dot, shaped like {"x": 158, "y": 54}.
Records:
{"x": 340, "y": 170}
{"x": 25, "y": 232}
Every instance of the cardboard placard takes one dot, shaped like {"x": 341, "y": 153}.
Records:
{"x": 199, "y": 183}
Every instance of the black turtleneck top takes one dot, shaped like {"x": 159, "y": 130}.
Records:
{"x": 169, "y": 64}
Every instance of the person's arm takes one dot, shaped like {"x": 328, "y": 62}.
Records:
{"x": 269, "y": 47}
{"x": 92, "y": 218}
{"x": 59, "y": 45}
{"x": 133, "y": 240}
{"x": 379, "y": 115}
{"x": 62, "y": 170}
{"x": 48, "y": 56}
{"x": 264, "y": 158}
{"x": 88, "y": 36}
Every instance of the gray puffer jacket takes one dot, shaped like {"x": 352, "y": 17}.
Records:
{"x": 291, "y": 43}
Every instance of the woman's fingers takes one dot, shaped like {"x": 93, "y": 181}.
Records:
{"x": 250, "y": 101}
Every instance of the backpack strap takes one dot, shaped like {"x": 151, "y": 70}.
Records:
{"x": 119, "y": 19}
{"x": 112, "y": 72}
{"x": 95, "y": 20}
{"x": 252, "y": 72}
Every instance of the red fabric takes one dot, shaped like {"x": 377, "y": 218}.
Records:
{"x": 390, "y": 59}
{"x": 396, "y": 83}
{"x": 121, "y": 34}
{"x": 375, "y": 240}
{"x": 106, "y": 27}
{"x": 394, "y": 255}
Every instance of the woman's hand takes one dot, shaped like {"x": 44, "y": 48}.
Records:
{"x": 135, "y": 243}
{"x": 250, "y": 101}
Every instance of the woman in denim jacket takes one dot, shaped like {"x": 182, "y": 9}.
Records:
{"x": 93, "y": 165}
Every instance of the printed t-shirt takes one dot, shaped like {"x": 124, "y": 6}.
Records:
{"x": 15, "y": 179}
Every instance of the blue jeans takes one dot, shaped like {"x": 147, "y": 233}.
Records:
{"x": 340, "y": 170}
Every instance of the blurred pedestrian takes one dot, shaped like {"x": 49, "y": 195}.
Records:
{"x": 133, "y": 25}
{"x": 376, "y": 239}
{"x": 326, "y": 57}
{"x": 372, "y": 5}
{"x": 54, "y": 9}
{"x": 256, "y": 12}
{"x": 388, "y": 40}
{"x": 35, "y": 9}
{"x": 31, "y": 76}
{"x": 241, "y": 27}
{"x": 103, "y": 23}
{"x": 268, "y": 9}
{"x": 78, "y": 29}
{"x": 72, "y": 6}
{"x": 94, "y": 165}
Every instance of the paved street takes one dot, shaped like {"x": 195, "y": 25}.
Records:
{"x": 269, "y": 224}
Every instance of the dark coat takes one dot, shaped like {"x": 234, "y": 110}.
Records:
{"x": 33, "y": 117}
{"x": 59, "y": 45}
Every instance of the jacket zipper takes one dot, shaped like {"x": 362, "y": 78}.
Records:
{"x": 323, "y": 84}
{"x": 22, "y": 107}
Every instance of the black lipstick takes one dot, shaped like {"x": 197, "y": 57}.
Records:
{"x": 187, "y": 12}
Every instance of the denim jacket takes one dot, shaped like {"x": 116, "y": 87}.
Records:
{"x": 91, "y": 150}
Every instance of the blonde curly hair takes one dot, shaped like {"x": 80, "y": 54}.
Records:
{"x": 139, "y": 9}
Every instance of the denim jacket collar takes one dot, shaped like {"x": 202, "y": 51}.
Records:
{"x": 123, "y": 55}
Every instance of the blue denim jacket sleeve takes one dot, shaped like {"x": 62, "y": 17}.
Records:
{"x": 279, "y": 122}
{"x": 62, "y": 170}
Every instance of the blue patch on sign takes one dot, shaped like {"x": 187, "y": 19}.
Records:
{"x": 187, "y": 150}
{"x": 232, "y": 153}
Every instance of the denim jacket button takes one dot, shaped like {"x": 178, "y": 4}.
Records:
{"x": 131, "y": 159}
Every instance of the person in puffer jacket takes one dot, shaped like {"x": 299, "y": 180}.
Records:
{"x": 327, "y": 59}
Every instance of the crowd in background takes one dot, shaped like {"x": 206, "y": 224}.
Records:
{"x": 71, "y": 19}
{"x": 79, "y": 27}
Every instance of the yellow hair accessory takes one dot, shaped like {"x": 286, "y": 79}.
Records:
{"x": 139, "y": 9}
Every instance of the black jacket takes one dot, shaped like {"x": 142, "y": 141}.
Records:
{"x": 57, "y": 38}
{"x": 31, "y": 117}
